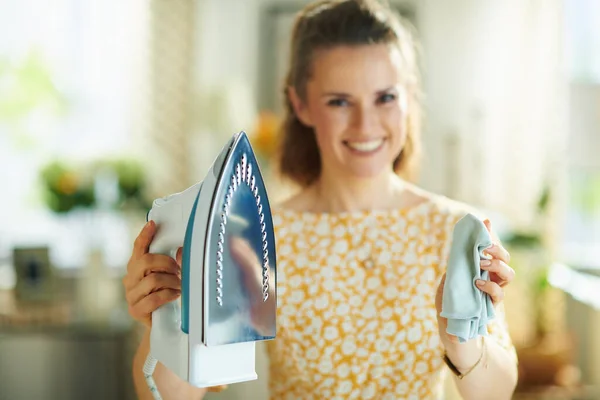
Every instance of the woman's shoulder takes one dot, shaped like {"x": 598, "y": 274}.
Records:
{"x": 296, "y": 202}
{"x": 293, "y": 206}
{"x": 439, "y": 205}
{"x": 290, "y": 210}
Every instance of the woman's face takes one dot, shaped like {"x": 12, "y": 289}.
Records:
{"x": 357, "y": 105}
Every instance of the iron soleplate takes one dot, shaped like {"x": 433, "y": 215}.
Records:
{"x": 240, "y": 286}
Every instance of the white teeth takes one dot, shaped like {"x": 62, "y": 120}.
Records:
{"x": 365, "y": 146}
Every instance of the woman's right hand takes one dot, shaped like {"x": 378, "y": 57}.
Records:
{"x": 152, "y": 279}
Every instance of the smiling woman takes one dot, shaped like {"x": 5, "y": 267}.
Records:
{"x": 361, "y": 251}
{"x": 360, "y": 100}
{"x": 358, "y": 112}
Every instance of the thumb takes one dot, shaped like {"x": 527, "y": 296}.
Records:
{"x": 440, "y": 292}
{"x": 488, "y": 225}
{"x": 442, "y": 282}
{"x": 179, "y": 256}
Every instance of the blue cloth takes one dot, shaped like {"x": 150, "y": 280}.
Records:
{"x": 467, "y": 308}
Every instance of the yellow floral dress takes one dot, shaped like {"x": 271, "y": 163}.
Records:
{"x": 356, "y": 314}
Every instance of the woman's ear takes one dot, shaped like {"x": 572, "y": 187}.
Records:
{"x": 299, "y": 107}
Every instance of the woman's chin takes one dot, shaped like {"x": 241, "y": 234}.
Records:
{"x": 366, "y": 172}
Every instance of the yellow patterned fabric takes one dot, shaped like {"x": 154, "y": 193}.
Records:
{"x": 356, "y": 314}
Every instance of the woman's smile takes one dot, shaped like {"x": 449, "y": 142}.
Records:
{"x": 365, "y": 147}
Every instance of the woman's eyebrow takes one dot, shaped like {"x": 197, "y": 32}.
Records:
{"x": 335, "y": 94}
{"x": 393, "y": 88}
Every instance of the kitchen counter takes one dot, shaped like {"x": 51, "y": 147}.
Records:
{"x": 66, "y": 348}
{"x": 582, "y": 286}
{"x": 581, "y": 283}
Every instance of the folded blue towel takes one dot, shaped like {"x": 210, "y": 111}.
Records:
{"x": 466, "y": 307}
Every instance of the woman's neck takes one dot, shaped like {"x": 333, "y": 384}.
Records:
{"x": 333, "y": 194}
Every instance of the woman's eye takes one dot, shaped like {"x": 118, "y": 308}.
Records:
{"x": 337, "y": 102}
{"x": 386, "y": 98}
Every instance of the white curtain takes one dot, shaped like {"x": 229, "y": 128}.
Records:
{"x": 164, "y": 139}
{"x": 496, "y": 101}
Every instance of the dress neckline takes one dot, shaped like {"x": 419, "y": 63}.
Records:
{"x": 355, "y": 214}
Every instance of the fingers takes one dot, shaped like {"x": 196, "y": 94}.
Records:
{"x": 499, "y": 252}
{"x": 148, "y": 264}
{"x": 142, "y": 309}
{"x": 217, "y": 389}
{"x": 152, "y": 279}
{"x": 501, "y": 272}
{"x": 491, "y": 288}
{"x": 153, "y": 283}
{"x": 500, "y": 268}
{"x": 143, "y": 240}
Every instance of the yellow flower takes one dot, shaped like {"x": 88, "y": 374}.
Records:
{"x": 264, "y": 138}
{"x": 67, "y": 183}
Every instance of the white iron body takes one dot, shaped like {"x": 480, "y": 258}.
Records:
{"x": 192, "y": 356}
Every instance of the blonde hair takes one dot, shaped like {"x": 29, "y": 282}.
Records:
{"x": 326, "y": 24}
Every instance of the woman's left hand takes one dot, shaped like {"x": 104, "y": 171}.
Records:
{"x": 501, "y": 274}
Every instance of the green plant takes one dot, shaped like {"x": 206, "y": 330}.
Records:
{"x": 66, "y": 187}
{"x": 70, "y": 186}
{"x": 131, "y": 182}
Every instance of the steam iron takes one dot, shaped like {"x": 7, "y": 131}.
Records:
{"x": 208, "y": 336}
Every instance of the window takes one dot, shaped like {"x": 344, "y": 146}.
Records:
{"x": 582, "y": 231}
{"x": 70, "y": 74}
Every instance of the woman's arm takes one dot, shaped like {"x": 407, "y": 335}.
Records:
{"x": 169, "y": 385}
{"x": 489, "y": 363}
{"x": 495, "y": 377}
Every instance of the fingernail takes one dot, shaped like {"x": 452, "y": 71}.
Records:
{"x": 480, "y": 282}
{"x": 486, "y": 263}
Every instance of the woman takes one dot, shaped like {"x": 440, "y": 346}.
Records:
{"x": 361, "y": 251}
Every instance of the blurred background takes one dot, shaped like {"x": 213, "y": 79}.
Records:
{"x": 106, "y": 105}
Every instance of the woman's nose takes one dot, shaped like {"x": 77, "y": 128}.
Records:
{"x": 364, "y": 119}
